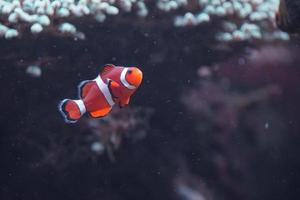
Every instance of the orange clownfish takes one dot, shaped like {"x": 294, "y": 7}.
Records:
{"x": 114, "y": 85}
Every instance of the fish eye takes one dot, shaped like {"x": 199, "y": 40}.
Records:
{"x": 129, "y": 71}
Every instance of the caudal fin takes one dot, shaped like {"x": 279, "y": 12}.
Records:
{"x": 71, "y": 110}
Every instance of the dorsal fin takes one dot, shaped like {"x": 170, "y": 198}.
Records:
{"x": 107, "y": 68}
{"x": 84, "y": 87}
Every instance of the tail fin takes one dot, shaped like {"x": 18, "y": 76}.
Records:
{"x": 71, "y": 110}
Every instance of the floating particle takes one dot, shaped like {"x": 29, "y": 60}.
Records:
{"x": 267, "y": 125}
{"x": 97, "y": 147}
{"x": 242, "y": 61}
{"x": 34, "y": 71}
{"x": 204, "y": 71}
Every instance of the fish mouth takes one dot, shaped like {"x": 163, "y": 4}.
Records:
{"x": 137, "y": 77}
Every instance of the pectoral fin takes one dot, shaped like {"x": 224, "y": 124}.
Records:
{"x": 114, "y": 89}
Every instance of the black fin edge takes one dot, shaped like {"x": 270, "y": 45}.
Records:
{"x": 61, "y": 108}
{"x": 80, "y": 87}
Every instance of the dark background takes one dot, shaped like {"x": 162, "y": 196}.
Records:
{"x": 231, "y": 135}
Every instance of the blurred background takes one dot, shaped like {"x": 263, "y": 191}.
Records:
{"x": 216, "y": 117}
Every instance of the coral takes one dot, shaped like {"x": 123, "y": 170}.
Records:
{"x": 215, "y": 103}
{"x": 219, "y": 115}
{"x": 238, "y": 114}
{"x": 190, "y": 186}
{"x": 94, "y": 138}
{"x": 240, "y": 20}
{"x": 107, "y": 134}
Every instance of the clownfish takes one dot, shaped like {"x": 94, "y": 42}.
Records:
{"x": 113, "y": 85}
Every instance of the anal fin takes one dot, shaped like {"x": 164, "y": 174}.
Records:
{"x": 124, "y": 102}
{"x": 100, "y": 113}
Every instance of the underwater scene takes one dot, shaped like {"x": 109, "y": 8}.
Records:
{"x": 149, "y": 99}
